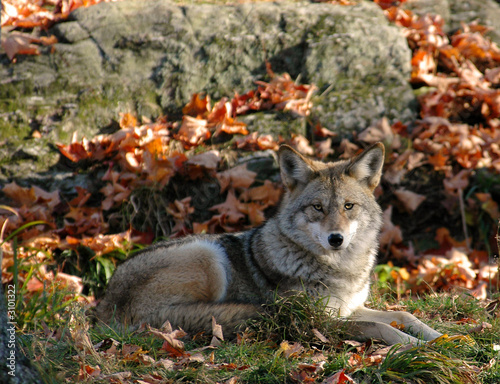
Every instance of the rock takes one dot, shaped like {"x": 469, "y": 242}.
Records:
{"x": 149, "y": 57}
{"x": 456, "y": 12}
{"x": 486, "y": 12}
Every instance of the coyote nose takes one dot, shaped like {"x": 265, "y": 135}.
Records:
{"x": 335, "y": 240}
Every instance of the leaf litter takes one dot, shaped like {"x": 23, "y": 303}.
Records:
{"x": 457, "y": 135}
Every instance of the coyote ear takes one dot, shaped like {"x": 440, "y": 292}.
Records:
{"x": 294, "y": 167}
{"x": 368, "y": 165}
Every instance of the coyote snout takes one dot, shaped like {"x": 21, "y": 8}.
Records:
{"x": 335, "y": 240}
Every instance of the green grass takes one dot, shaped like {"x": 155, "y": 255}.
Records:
{"x": 259, "y": 357}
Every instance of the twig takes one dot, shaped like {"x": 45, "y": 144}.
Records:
{"x": 462, "y": 213}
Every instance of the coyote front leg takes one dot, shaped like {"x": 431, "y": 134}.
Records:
{"x": 376, "y": 324}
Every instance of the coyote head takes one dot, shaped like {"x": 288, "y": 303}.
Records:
{"x": 330, "y": 207}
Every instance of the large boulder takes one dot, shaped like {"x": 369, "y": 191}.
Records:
{"x": 149, "y": 57}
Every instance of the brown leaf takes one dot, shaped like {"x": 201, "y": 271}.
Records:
{"x": 320, "y": 336}
{"x": 481, "y": 291}
{"x": 30, "y": 196}
{"x": 238, "y": 177}
{"x": 118, "y": 377}
{"x": 324, "y": 148}
{"x": 268, "y": 193}
{"x": 489, "y": 205}
{"x": 18, "y": 43}
{"x": 410, "y": 200}
{"x": 82, "y": 198}
{"x": 254, "y": 211}
{"x": 171, "y": 344}
{"x": 166, "y": 364}
{"x": 381, "y": 131}
{"x": 301, "y": 144}
{"x": 256, "y": 142}
{"x": 208, "y": 160}
{"x": 230, "y": 208}
{"x": 70, "y": 282}
{"x": 480, "y": 327}
{"x": 348, "y": 149}
{"x": 458, "y": 182}
{"x": 291, "y": 350}
{"x": 217, "y": 329}
{"x": 390, "y": 234}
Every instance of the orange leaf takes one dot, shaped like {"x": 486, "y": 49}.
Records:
{"x": 254, "y": 211}
{"x": 31, "y": 196}
{"x": 197, "y": 107}
{"x": 395, "y": 324}
{"x": 82, "y": 198}
{"x": 193, "y": 131}
{"x": 127, "y": 120}
{"x": 34, "y": 285}
{"x": 445, "y": 240}
{"x": 439, "y": 160}
{"x": 254, "y": 142}
{"x": 231, "y": 127}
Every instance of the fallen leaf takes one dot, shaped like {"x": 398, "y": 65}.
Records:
{"x": 320, "y": 336}
{"x": 411, "y": 200}
{"x": 480, "y": 327}
{"x": 339, "y": 377}
{"x": 88, "y": 371}
{"x": 390, "y": 233}
{"x": 301, "y": 144}
{"x": 197, "y": 107}
{"x": 238, "y": 177}
{"x": 171, "y": 344}
{"x": 70, "y": 282}
{"x": 208, "y": 160}
{"x": 290, "y": 350}
{"x": 193, "y": 131}
{"x": 18, "y": 43}
{"x": 489, "y": 205}
{"x": 217, "y": 334}
{"x": 230, "y": 208}
{"x": 127, "y": 120}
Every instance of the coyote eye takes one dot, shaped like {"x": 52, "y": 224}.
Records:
{"x": 348, "y": 206}
{"x": 318, "y": 207}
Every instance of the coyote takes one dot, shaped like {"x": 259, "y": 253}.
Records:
{"x": 323, "y": 239}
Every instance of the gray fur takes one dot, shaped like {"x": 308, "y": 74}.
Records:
{"x": 230, "y": 276}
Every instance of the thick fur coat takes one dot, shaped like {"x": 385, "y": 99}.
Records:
{"x": 323, "y": 239}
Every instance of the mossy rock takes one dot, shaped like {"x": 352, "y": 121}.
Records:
{"x": 149, "y": 57}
